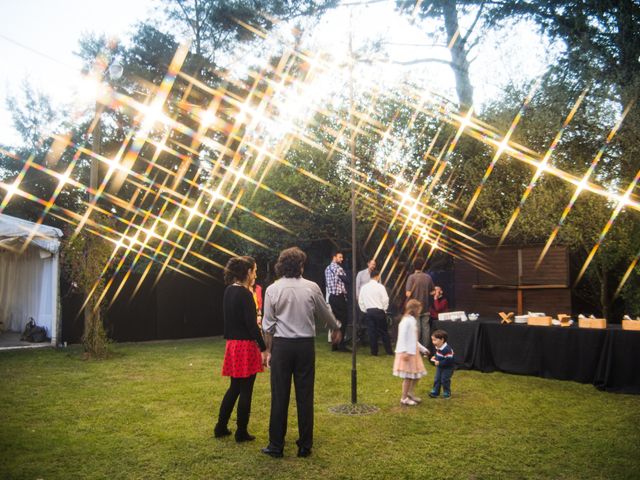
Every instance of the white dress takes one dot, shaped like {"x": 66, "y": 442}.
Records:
{"x": 411, "y": 365}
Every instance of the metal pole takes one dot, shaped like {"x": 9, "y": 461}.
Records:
{"x": 354, "y": 240}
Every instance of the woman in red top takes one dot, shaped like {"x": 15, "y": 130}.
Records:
{"x": 245, "y": 351}
{"x": 439, "y": 305}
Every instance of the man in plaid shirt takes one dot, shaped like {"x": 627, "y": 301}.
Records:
{"x": 335, "y": 278}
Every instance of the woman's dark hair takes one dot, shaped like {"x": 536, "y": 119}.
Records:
{"x": 290, "y": 263}
{"x": 441, "y": 334}
{"x": 237, "y": 269}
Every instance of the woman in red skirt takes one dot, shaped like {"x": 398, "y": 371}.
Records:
{"x": 245, "y": 353}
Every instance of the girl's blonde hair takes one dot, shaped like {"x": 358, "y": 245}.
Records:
{"x": 413, "y": 308}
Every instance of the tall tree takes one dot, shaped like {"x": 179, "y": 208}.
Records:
{"x": 602, "y": 37}
{"x": 36, "y": 121}
{"x": 33, "y": 115}
{"x": 601, "y": 41}
{"x": 458, "y": 41}
{"x": 216, "y": 26}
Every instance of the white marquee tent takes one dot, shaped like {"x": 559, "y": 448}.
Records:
{"x": 29, "y": 266}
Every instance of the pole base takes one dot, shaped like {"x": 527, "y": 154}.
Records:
{"x": 354, "y": 409}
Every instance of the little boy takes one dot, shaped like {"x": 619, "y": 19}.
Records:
{"x": 443, "y": 360}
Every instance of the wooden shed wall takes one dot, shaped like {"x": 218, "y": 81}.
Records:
{"x": 508, "y": 270}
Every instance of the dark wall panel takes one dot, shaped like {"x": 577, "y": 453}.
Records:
{"x": 177, "y": 307}
{"x": 132, "y": 317}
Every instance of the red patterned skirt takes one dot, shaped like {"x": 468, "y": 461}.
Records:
{"x": 242, "y": 359}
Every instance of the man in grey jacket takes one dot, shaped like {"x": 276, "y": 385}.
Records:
{"x": 292, "y": 305}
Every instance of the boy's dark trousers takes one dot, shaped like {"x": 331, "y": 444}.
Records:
{"x": 442, "y": 379}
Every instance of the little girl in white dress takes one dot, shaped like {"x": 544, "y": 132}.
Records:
{"x": 408, "y": 364}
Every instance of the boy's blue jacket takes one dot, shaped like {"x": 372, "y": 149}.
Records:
{"x": 445, "y": 356}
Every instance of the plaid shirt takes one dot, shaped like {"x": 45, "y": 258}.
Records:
{"x": 335, "y": 284}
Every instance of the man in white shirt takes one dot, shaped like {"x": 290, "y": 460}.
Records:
{"x": 373, "y": 302}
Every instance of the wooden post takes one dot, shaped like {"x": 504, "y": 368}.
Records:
{"x": 520, "y": 306}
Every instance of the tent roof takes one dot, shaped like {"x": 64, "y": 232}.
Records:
{"x": 15, "y": 231}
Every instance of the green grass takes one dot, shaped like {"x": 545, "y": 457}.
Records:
{"x": 149, "y": 412}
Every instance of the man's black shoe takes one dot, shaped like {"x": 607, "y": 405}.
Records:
{"x": 220, "y": 432}
{"x": 304, "y": 452}
{"x": 272, "y": 452}
{"x": 244, "y": 436}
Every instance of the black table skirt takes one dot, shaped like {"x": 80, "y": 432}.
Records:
{"x": 608, "y": 359}
{"x": 619, "y": 366}
{"x": 462, "y": 338}
{"x": 550, "y": 352}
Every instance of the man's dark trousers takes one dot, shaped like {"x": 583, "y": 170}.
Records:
{"x": 292, "y": 358}
{"x": 377, "y": 327}
{"x": 339, "y": 307}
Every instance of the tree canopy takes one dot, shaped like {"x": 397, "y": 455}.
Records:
{"x": 232, "y": 163}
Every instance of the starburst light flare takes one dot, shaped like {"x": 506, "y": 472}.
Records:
{"x": 201, "y": 156}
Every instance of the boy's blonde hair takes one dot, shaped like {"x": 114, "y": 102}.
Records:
{"x": 413, "y": 308}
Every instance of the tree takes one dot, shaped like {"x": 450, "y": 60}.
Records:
{"x": 542, "y": 211}
{"x": 218, "y": 26}
{"x": 459, "y": 43}
{"x": 84, "y": 257}
{"x": 37, "y": 121}
{"x": 602, "y": 38}
{"x": 601, "y": 49}
{"x": 33, "y": 117}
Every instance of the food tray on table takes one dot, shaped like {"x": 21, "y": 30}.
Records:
{"x": 539, "y": 321}
{"x": 631, "y": 325}
{"x": 584, "y": 322}
{"x": 453, "y": 316}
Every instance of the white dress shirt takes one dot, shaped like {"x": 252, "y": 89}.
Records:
{"x": 373, "y": 295}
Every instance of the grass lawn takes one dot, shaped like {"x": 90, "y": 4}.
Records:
{"x": 149, "y": 412}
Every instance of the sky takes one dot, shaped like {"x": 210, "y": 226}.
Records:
{"x": 38, "y": 38}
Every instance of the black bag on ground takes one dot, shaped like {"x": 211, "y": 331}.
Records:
{"x": 33, "y": 333}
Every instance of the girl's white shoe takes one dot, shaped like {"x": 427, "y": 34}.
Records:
{"x": 415, "y": 399}
{"x": 408, "y": 401}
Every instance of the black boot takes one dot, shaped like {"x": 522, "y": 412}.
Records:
{"x": 226, "y": 407}
{"x": 244, "y": 411}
